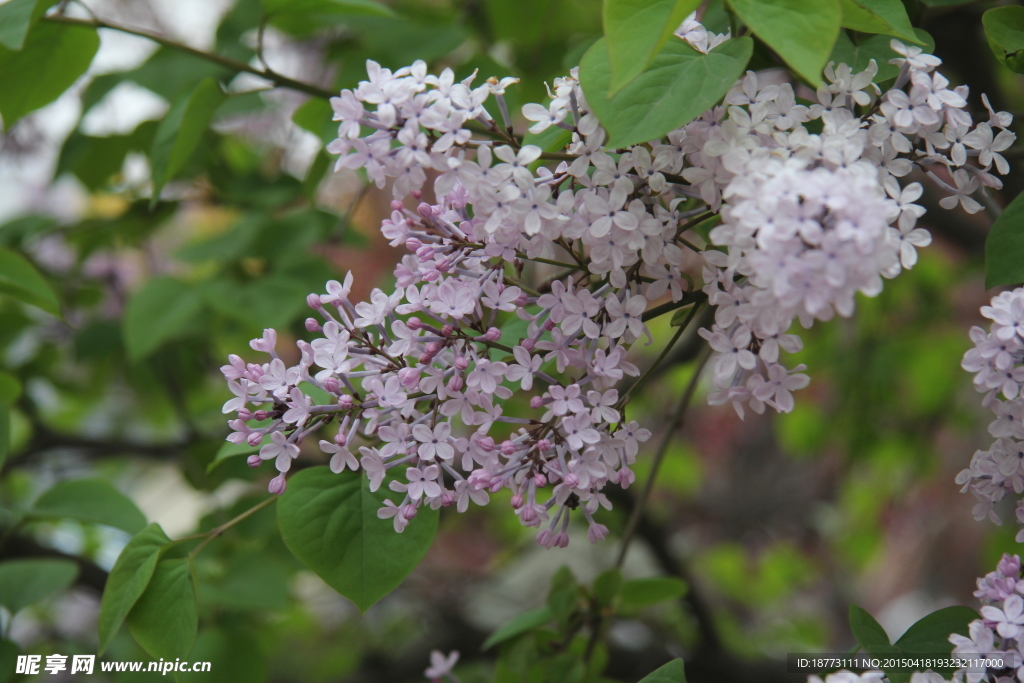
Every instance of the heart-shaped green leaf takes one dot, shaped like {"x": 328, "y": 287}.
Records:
{"x": 329, "y": 522}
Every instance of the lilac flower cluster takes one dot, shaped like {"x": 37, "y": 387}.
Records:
{"x": 417, "y": 381}
{"x": 997, "y": 360}
{"x": 811, "y": 219}
{"x": 1001, "y": 628}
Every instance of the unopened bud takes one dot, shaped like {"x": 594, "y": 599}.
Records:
{"x": 461, "y": 363}
{"x": 277, "y": 485}
{"x": 254, "y": 461}
{"x": 540, "y": 480}
{"x": 486, "y": 444}
{"x": 521, "y": 300}
{"x": 543, "y": 445}
{"x": 536, "y": 402}
{"x": 517, "y": 501}
{"x": 508, "y": 448}
{"x": 254, "y": 439}
{"x": 433, "y": 348}
{"x": 562, "y": 539}
{"x": 425, "y": 253}
{"x": 312, "y": 325}
{"x": 528, "y": 344}
{"x": 313, "y": 301}
{"x": 493, "y": 334}
{"x": 571, "y": 480}
{"x": 409, "y": 511}
{"x": 260, "y": 415}
{"x": 332, "y": 385}
{"x": 396, "y": 205}
{"x": 413, "y": 244}
{"x": 549, "y": 324}
{"x": 244, "y": 414}
{"x": 345, "y": 401}
{"x": 431, "y": 275}
{"x": 340, "y": 439}
{"x": 425, "y": 210}
{"x": 447, "y": 498}
{"x": 417, "y": 194}
{"x": 456, "y": 383}
{"x": 409, "y": 377}
{"x": 447, "y": 331}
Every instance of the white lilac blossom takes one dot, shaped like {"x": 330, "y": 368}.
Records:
{"x": 417, "y": 381}
{"x": 997, "y": 361}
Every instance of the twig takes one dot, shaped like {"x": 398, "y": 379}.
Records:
{"x": 666, "y": 439}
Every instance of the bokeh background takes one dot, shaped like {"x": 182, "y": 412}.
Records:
{"x": 777, "y": 522}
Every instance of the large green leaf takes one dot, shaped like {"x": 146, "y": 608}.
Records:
{"x": 165, "y": 619}
{"x": 181, "y": 129}
{"x": 868, "y": 632}
{"x": 673, "y": 672}
{"x": 162, "y": 311}
{"x": 680, "y": 85}
{"x": 878, "y": 16}
{"x": 929, "y": 636}
{"x": 20, "y": 279}
{"x": 90, "y": 500}
{"x": 329, "y": 522}
{"x": 636, "y": 30}
{"x": 640, "y": 593}
{"x": 53, "y": 57}
{"x": 128, "y": 580}
{"x": 25, "y": 582}
{"x": 9, "y": 652}
{"x": 801, "y": 32}
{"x": 328, "y": 7}
{"x": 1004, "y": 29}
{"x": 525, "y": 622}
{"x": 5, "y": 433}
{"x": 16, "y": 17}
{"x": 1004, "y": 248}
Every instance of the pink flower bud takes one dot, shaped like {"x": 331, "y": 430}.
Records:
{"x": 571, "y": 480}
{"x": 625, "y": 477}
{"x": 493, "y": 334}
{"x": 545, "y": 539}
{"x": 313, "y": 301}
{"x": 486, "y": 444}
{"x": 417, "y": 194}
{"x": 413, "y": 244}
{"x": 597, "y": 532}
{"x": 332, "y": 385}
{"x": 562, "y": 539}
{"x": 425, "y": 253}
{"x": 543, "y": 445}
{"x": 433, "y": 348}
{"x": 521, "y": 300}
{"x": 536, "y": 402}
{"x": 414, "y": 324}
{"x": 396, "y": 205}
{"x": 340, "y": 439}
{"x": 254, "y": 438}
{"x": 345, "y": 401}
{"x": 312, "y": 325}
{"x": 431, "y": 275}
{"x": 255, "y": 371}
{"x": 442, "y": 265}
{"x": 254, "y": 461}
{"x": 277, "y": 485}
{"x": 528, "y": 516}
{"x": 456, "y": 383}
{"x": 447, "y": 498}
{"x": 425, "y": 358}
{"x": 508, "y": 448}
{"x": 447, "y": 331}
{"x": 244, "y": 414}
{"x": 479, "y": 479}
{"x": 425, "y": 210}
{"x": 540, "y": 480}
{"x": 410, "y": 377}
{"x": 461, "y": 363}
{"x": 409, "y": 511}
{"x": 549, "y": 324}
{"x": 517, "y": 501}
{"x": 496, "y": 485}
{"x": 528, "y": 344}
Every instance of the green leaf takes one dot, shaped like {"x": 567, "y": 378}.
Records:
{"x": 640, "y": 593}
{"x": 90, "y": 500}
{"x": 160, "y": 312}
{"x": 128, "y": 580}
{"x": 877, "y": 48}
{"x": 165, "y": 619}
{"x": 802, "y": 33}
{"x": 1004, "y": 29}
{"x": 20, "y": 279}
{"x": 9, "y": 652}
{"x": 607, "y": 586}
{"x": 868, "y": 632}
{"x": 673, "y": 672}
{"x": 563, "y": 596}
{"x": 26, "y": 582}
{"x": 636, "y": 30}
{"x": 329, "y": 8}
{"x": 53, "y": 57}
{"x": 181, "y": 129}
{"x": 232, "y": 450}
{"x": 315, "y": 115}
{"x": 929, "y": 636}
{"x": 329, "y": 522}
{"x": 680, "y": 85}
{"x": 16, "y": 17}
{"x": 5, "y": 433}
{"x": 525, "y": 622}
{"x": 1004, "y": 248}
{"x": 878, "y": 16}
